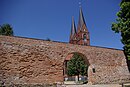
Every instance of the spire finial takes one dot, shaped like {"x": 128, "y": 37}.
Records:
{"x": 80, "y": 4}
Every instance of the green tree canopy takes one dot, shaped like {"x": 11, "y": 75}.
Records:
{"x": 122, "y": 25}
{"x": 6, "y": 29}
{"x": 76, "y": 66}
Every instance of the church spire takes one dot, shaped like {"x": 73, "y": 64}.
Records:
{"x": 81, "y": 21}
{"x": 73, "y": 28}
{"x": 81, "y": 36}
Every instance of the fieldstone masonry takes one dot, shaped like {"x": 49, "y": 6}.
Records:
{"x": 32, "y": 61}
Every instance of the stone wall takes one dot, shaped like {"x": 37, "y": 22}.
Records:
{"x": 32, "y": 61}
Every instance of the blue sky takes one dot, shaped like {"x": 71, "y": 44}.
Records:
{"x": 44, "y": 19}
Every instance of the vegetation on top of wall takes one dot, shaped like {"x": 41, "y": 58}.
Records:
{"x": 6, "y": 29}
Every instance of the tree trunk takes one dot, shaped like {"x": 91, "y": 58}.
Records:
{"x": 78, "y": 77}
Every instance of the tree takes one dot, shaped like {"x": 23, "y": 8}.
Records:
{"x": 48, "y": 39}
{"x": 6, "y": 29}
{"x": 122, "y": 25}
{"x": 76, "y": 66}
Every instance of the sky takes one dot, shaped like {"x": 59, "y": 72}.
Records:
{"x": 51, "y": 19}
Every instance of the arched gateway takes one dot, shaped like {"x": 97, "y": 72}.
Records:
{"x": 84, "y": 62}
{"x": 31, "y": 61}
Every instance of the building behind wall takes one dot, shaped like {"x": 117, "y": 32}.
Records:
{"x": 80, "y": 35}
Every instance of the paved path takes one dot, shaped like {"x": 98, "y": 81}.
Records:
{"x": 72, "y": 84}
{"x": 110, "y": 85}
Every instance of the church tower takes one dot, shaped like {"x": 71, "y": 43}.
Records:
{"x": 80, "y": 35}
{"x": 73, "y": 33}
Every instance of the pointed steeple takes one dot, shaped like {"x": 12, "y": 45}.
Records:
{"x": 81, "y": 21}
{"x": 81, "y": 35}
{"x": 73, "y": 28}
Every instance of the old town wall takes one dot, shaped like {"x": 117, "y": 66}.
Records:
{"x": 33, "y": 61}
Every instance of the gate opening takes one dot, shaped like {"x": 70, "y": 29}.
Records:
{"x": 76, "y": 68}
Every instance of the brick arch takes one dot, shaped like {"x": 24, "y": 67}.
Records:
{"x": 69, "y": 56}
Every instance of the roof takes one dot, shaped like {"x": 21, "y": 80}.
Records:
{"x": 73, "y": 28}
{"x": 81, "y": 19}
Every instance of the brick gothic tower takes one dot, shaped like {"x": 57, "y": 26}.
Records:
{"x": 81, "y": 35}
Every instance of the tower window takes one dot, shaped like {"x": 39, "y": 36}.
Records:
{"x": 84, "y": 37}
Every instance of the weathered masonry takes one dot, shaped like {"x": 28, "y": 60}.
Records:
{"x": 31, "y": 61}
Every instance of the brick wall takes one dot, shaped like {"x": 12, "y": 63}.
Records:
{"x": 32, "y": 61}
